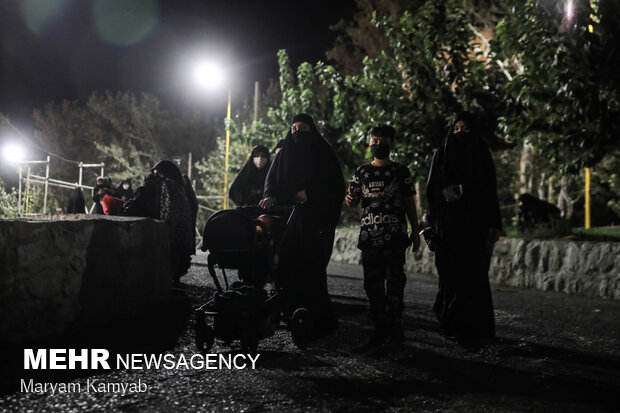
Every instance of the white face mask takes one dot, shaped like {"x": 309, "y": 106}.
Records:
{"x": 125, "y": 186}
{"x": 260, "y": 162}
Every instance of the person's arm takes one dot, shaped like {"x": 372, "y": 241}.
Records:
{"x": 270, "y": 188}
{"x": 492, "y": 203}
{"x": 236, "y": 191}
{"x": 354, "y": 191}
{"x": 412, "y": 215}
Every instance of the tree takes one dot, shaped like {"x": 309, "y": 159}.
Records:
{"x": 360, "y": 37}
{"x": 433, "y": 71}
{"x": 566, "y": 99}
{"x": 128, "y": 133}
{"x": 321, "y": 92}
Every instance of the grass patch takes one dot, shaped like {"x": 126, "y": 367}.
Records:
{"x": 605, "y": 234}
{"x": 599, "y": 233}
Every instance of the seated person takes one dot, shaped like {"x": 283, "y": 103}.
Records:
{"x": 165, "y": 195}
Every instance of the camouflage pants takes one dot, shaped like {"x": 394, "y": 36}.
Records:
{"x": 384, "y": 282}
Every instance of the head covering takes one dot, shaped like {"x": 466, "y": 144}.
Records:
{"x": 464, "y": 159}
{"x": 250, "y": 178}
{"x": 259, "y": 149}
{"x": 308, "y": 162}
{"x": 460, "y": 150}
{"x": 170, "y": 170}
{"x": 305, "y": 118}
{"x": 468, "y": 118}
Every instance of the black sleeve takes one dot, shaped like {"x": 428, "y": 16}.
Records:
{"x": 191, "y": 198}
{"x": 139, "y": 204}
{"x": 271, "y": 182}
{"x": 237, "y": 191}
{"x": 433, "y": 189}
{"x": 491, "y": 203}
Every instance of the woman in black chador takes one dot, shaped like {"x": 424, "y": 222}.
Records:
{"x": 247, "y": 189}
{"x": 165, "y": 194}
{"x": 306, "y": 172}
{"x": 464, "y": 211}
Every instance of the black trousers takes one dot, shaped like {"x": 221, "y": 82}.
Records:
{"x": 384, "y": 282}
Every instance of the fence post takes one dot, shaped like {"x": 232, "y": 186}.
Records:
{"x": 587, "y": 200}
{"x": 47, "y": 177}
{"x": 27, "y": 190}
{"x": 19, "y": 192}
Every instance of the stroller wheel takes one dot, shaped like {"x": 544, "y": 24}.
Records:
{"x": 301, "y": 327}
{"x": 204, "y": 333}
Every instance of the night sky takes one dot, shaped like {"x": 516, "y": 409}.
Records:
{"x": 66, "y": 49}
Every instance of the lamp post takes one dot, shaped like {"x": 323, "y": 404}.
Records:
{"x": 225, "y": 203}
{"x": 210, "y": 76}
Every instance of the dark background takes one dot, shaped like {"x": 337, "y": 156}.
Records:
{"x": 63, "y": 55}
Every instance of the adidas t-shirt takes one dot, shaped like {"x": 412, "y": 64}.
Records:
{"x": 382, "y": 190}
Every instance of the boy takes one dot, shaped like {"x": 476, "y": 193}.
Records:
{"x": 386, "y": 191}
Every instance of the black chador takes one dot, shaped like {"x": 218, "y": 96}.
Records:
{"x": 464, "y": 305}
{"x": 247, "y": 189}
{"x": 308, "y": 163}
{"x": 165, "y": 194}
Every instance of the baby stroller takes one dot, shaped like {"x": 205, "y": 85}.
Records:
{"x": 241, "y": 239}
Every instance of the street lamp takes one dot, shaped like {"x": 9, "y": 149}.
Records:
{"x": 13, "y": 153}
{"x": 210, "y": 76}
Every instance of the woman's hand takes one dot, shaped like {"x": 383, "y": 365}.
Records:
{"x": 452, "y": 193}
{"x": 267, "y": 203}
{"x": 301, "y": 197}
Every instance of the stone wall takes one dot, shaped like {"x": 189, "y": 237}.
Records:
{"x": 577, "y": 267}
{"x": 73, "y": 271}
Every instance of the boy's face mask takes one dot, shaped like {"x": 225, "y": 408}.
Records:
{"x": 259, "y": 161}
{"x": 125, "y": 186}
{"x": 380, "y": 150}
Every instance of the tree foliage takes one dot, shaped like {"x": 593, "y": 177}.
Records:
{"x": 128, "y": 133}
{"x": 565, "y": 99}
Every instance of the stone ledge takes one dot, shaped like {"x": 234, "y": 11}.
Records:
{"x": 585, "y": 268}
{"x": 74, "y": 271}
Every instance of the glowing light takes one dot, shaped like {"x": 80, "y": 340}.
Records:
{"x": 569, "y": 10}
{"x": 123, "y": 22}
{"x": 209, "y": 75}
{"x": 13, "y": 153}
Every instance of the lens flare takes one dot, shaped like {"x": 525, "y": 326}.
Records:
{"x": 38, "y": 15}
{"x": 125, "y": 23}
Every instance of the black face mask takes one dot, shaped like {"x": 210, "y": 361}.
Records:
{"x": 300, "y": 135}
{"x": 380, "y": 151}
{"x": 461, "y": 136}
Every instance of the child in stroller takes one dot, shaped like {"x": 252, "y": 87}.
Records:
{"x": 249, "y": 241}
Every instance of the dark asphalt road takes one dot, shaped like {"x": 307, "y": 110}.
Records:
{"x": 553, "y": 352}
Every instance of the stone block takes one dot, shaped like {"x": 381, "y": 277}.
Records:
{"x": 89, "y": 270}
{"x": 586, "y": 268}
